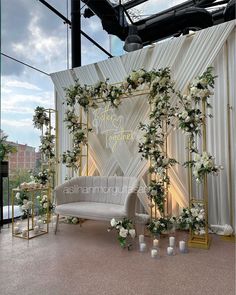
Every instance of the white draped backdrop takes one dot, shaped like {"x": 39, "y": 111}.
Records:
{"x": 187, "y": 56}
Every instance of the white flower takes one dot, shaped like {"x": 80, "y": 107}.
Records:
{"x": 200, "y": 216}
{"x": 38, "y": 197}
{"x": 153, "y": 193}
{"x": 184, "y": 114}
{"x": 134, "y": 76}
{"x": 194, "y": 90}
{"x": 202, "y": 232}
{"x": 125, "y": 85}
{"x": 140, "y": 80}
{"x": 44, "y": 198}
{"x": 187, "y": 119}
{"x": 45, "y": 205}
{"x": 116, "y": 102}
{"x": 74, "y": 220}
{"x": 113, "y": 222}
{"x": 132, "y": 233}
{"x": 123, "y": 232}
{"x": 18, "y": 196}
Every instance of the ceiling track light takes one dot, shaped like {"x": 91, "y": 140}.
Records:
{"x": 133, "y": 41}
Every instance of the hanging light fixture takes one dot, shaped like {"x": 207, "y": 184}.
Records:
{"x": 133, "y": 41}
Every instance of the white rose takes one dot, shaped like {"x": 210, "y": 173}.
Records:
{"x": 132, "y": 233}
{"x": 153, "y": 193}
{"x": 116, "y": 102}
{"x": 18, "y": 196}
{"x": 74, "y": 220}
{"x": 187, "y": 119}
{"x": 123, "y": 232}
{"x": 201, "y": 216}
{"x": 184, "y": 114}
{"x": 202, "y": 232}
{"x": 125, "y": 85}
{"x": 113, "y": 222}
{"x": 194, "y": 90}
{"x": 45, "y": 205}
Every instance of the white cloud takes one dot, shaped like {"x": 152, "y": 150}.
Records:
{"x": 41, "y": 47}
{"x": 17, "y": 123}
{"x": 8, "y": 82}
{"x": 22, "y": 103}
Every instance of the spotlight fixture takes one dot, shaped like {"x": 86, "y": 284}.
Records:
{"x": 133, "y": 41}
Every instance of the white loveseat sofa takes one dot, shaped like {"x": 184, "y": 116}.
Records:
{"x": 97, "y": 197}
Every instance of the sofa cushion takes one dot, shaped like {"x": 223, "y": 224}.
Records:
{"x": 91, "y": 210}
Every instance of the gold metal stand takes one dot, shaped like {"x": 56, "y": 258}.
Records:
{"x": 30, "y": 220}
{"x": 202, "y": 241}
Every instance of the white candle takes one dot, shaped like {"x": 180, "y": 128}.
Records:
{"x": 142, "y": 247}
{"x": 170, "y": 251}
{"x": 154, "y": 253}
{"x": 141, "y": 238}
{"x": 182, "y": 246}
{"x": 40, "y": 223}
{"x": 36, "y": 229}
{"x": 16, "y": 230}
{"x": 155, "y": 243}
{"x": 171, "y": 241}
{"x": 24, "y": 232}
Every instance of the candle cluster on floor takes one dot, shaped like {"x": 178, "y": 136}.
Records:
{"x": 155, "y": 248}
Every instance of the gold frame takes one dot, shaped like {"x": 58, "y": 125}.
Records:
{"x": 202, "y": 241}
{"x": 30, "y": 218}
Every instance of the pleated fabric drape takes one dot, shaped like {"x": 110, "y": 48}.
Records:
{"x": 187, "y": 56}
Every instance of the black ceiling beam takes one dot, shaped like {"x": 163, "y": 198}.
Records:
{"x": 133, "y": 3}
{"x": 67, "y": 21}
{"x": 56, "y": 12}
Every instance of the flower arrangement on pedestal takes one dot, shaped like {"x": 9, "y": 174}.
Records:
{"x": 124, "y": 228}
{"x": 42, "y": 177}
{"x": 193, "y": 218}
{"x": 203, "y": 164}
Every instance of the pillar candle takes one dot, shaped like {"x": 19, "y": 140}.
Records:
{"x": 16, "y": 230}
{"x": 24, "y": 232}
{"x": 154, "y": 253}
{"x": 40, "y": 223}
{"x": 155, "y": 243}
{"x": 171, "y": 241}
{"x": 142, "y": 247}
{"x": 36, "y": 229}
{"x": 170, "y": 251}
{"x": 182, "y": 246}
{"x": 141, "y": 238}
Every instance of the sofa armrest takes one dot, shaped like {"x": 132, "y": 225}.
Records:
{"x": 130, "y": 201}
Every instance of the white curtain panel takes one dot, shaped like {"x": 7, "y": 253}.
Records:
{"x": 187, "y": 56}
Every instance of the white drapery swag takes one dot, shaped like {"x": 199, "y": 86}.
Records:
{"x": 187, "y": 56}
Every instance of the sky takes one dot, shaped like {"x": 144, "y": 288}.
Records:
{"x": 33, "y": 34}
